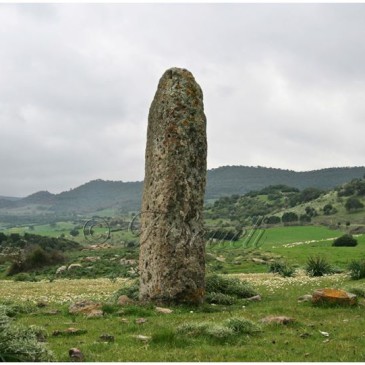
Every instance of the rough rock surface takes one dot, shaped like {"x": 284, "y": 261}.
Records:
{"x": 84, "y": 306}
{"x": 333, "y": 296}
{"x": 172, "y": 264}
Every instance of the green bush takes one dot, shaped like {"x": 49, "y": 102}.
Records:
{"x": 318, "y": 266}
{"x": 229, "y": 328}
{"x": 36, "y": 258}
{"x": 281, "y": 268}
{"x": 242, "y": 325}
{"x": 220, "y": 298}
{"x": 345, "y": 240}
{"x": 230, "y": 286}
{"x": 357, "y": 269}
{"x": 218, "y": 331}
{"x": 23, "y": 276}
{"x": 21, "y": 344}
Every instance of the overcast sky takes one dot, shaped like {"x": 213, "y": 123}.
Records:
{"x": 283, "y": 84}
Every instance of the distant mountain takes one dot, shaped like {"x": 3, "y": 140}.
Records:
{"x": 228, "y": 180}
{"x": 122, "y": 197}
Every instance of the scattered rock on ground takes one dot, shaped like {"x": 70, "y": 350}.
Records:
{"x": 61, "y": 270}
{"x": 129, "y": 262}
{"x": 255, "y": 298}
{"x": 124, "y": 300}
{"x": 277, "y": 319}
{"x": 141, "y": 320}
{"x": 95, "y": 313}
{"x": 143, "y": 338}
{"x": 75, "y": 354}
{"x": 163, "y": 310}
{"x": 107, "y": 338}
{"x": 84, "y": 306}
{"x": 74, "y": 266}
{"x": 305, "y": 298}
{"x": 333, "y": 296}
{"x": 91, "y": 258}
{"x": 258, "y": 261}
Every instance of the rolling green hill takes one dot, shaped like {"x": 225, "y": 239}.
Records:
{"x": 117, "y": 197}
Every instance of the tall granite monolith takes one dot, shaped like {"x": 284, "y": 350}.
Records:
{"x": 172, "y": 248}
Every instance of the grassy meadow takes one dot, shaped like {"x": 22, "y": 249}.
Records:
{"x": 317, "y": 334}
{"x": 301, "y": 340}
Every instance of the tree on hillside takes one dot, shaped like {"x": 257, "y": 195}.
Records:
{"x": 329, "y": 209}
{"x": 289, "y": 217}
{"x": 273, "y": 219}
{"x": 353, "y": 203}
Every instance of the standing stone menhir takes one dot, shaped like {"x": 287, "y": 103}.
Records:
{"x": 172, "y": 263}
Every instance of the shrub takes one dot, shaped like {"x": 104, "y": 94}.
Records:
{"x": 345, "y": 240}
{"x": 318, "y": 266}
{"x": 220, "y": 298}
{"x": 219, "y": 331}
{"x": 229, "y": 286}
{"x": 273, "y": 219}
{"x": 242, "y": 325}
{"x": 289, "y": 217}
{"x": 353, "y": 203}
{"x": 357, "y": 269}
{"x": 21, "y": 344}
{"x": 281, "y": 268}
{"x": 229, "y": 328}
{"x": 36, "y": 258}
{"x": 192, "y": 328}
{"x": 22, "y": 277}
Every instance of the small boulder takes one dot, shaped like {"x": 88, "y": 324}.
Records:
{"x": 75, "y": 354}
{"x": 124, "y": 300}
{"x": 333, "y": 296}
{"x": 255, "y": 298}
{"x": 61, "y": 270}
{"x": 95, "y": 313}
{"x": 163, "y": 310}
{"x": 143, "y": 338}
{"x": 141, "y": 320}
{"x": 84, "y": 307}
{"x": 305, "y": 298}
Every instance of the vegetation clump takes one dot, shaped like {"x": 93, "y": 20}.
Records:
{"x": 232, "y": 327}
{"x": 220, "y": 298}
{"x": 281, "y": 268}
{"x": 318, "y": 266}
{"x": 357, "y": 269}
{"x": 21, "y": 344}
{"x": 345, "y": 240}
{"x": 242, "y": 325}
{"x": 229, "y": 286}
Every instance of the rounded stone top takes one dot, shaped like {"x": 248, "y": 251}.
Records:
{"x": 177, "y": 82}
{"x": 177, "y": 72}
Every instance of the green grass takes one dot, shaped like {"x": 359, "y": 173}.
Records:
{"x": 273, "y": 343}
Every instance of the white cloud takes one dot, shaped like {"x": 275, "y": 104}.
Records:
{"x": 283, "y": 86}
